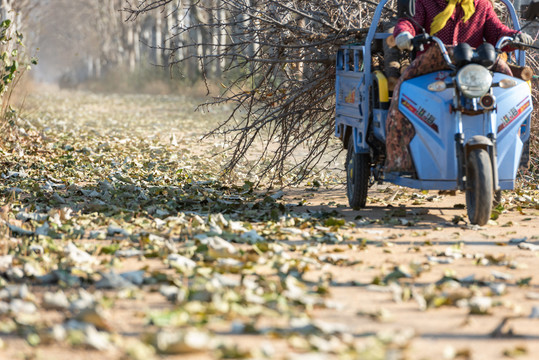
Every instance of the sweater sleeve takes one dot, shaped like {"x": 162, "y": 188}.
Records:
{"x": 494, "y": 29}
{"x": 406, "y": 25}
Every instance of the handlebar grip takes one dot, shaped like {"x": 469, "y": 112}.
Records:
{"x": 521, "y": 46}
{"x": 417, "y": 43}
{"x": 419, "y": 40}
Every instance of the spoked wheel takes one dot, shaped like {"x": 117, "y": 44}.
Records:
{"x": 358, "y": 171}
{"x": 479, "y": 186}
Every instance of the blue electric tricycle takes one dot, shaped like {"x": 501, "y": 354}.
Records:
{"x": 471, "y": 124}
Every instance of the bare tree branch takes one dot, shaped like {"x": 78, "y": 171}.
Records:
{"x": 275, "y": 59}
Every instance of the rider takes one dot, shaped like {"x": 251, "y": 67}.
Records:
{"x": 454, "y": 22}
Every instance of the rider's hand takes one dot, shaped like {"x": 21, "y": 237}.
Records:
{"x": 524, "y": 39}
{"x": 404, "y": 41}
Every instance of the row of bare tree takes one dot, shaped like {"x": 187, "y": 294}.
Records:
{"x": 87, "y": 39}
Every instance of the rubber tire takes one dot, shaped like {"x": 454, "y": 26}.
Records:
{"x": 479, "y": 189}
{"x": 358, "y": 172}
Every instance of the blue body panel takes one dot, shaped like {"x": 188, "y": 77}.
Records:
{"x": 433, "y": 146}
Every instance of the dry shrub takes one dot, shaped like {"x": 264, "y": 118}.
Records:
{"x": 14, "y": 63}
{"x": 25, "y": 86}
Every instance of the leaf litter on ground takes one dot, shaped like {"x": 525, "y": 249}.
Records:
{"x": 102, "y": 210}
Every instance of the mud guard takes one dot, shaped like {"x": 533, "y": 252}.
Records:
{"x": 483, "y": 142}
{"x": 477, "y": 141}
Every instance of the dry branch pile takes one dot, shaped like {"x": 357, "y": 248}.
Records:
{"x": 276, "y": 62}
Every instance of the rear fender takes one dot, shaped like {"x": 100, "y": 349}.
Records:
{"x": 346, "y": 137}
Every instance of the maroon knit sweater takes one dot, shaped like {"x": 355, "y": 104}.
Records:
{"x": 483, "y": 25}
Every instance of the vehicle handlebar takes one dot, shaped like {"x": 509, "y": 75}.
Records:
{"x": 504, "y": 41}
{"x": 422, "y": 39}
{"x": 508, "y": 40}
{"x": 419, "y": 40}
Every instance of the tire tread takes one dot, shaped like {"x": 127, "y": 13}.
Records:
{"x": 479, "y": 187}
{"x": 357, "y": 196}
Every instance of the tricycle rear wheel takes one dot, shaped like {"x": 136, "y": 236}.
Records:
{"x": 358, "y": 172}
{"x": 479, "y": 186}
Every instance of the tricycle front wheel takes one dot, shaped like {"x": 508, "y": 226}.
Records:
{"x": 479, "y": 186}
{"x": 358, "y": 172}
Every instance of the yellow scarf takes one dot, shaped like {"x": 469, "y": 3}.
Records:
{"x": 441, "y": 19}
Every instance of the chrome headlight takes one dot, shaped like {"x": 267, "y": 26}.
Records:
{"x": 474, "y": 80}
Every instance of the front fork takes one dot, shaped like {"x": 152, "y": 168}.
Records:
{"x": 492, "y": 152}
{"x": 461, "y": 161}
{"x": 491, "y": 149}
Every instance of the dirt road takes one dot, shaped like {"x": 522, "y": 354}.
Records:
{"x": 458, "y": 260}
{"x": 121, "y": 242}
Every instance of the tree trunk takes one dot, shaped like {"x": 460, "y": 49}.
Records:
{"x": 136, "y": 44}
{"x": 130, "y": 37}
{"x": 5, "y": 8}
{"x": 6, "y": 13}
{"x": 158, "y": 51}
{"x": 221, "y": 17}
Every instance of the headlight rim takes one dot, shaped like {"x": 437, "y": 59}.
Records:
{"x": 479, "y": 89}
